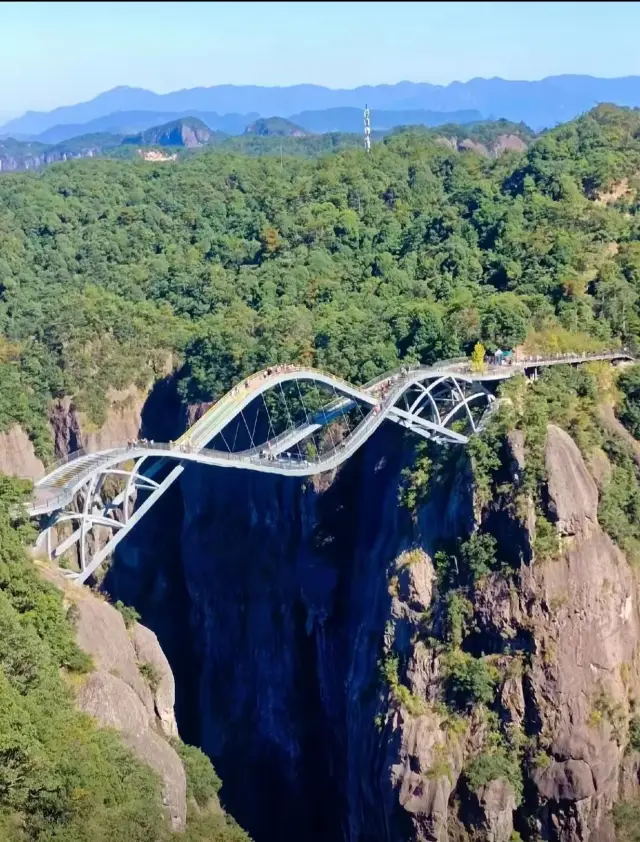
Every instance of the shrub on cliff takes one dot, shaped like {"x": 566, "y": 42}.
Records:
{"x": 468, "y": 680}
{"x": 495, "y": 765}
{"x": 626, "y": 816}
{"x": 59, "y": 775}
{"x": 203, "y": 784}
{"x": 129, "y": 614}
{"x": 479, "y": 555}
{"x": 629, "y": 384}
{"x": 206, "y": 822}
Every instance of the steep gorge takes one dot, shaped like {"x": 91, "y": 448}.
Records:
{"x": 280, "y": 605}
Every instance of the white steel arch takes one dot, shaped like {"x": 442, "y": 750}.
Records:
{"x": 72, "y": 490}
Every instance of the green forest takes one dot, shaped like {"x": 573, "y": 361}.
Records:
{"x": 224, "y": 262}
{"x": 346, "y": 261}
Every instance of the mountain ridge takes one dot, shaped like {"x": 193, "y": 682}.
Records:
{"x": 275, "y": 127}
{"x": 539, "y": 103}
{"x": 328, "y": 120}
{"x": 133, "y": 122}
{"x": 263, "y": 137}
{"x": 188, "y": 132}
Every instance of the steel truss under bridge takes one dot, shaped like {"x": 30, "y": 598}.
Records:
{"x": 287, "y": 420}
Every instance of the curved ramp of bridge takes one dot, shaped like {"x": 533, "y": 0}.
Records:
{"x": 433, "y": 397}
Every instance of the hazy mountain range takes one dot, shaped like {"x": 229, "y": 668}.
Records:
{"x": 319, "y": 122}
{"x": 540, "y": 104}
{"x": 265, "y": 136}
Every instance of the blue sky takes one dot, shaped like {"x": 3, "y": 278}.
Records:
{"x": 60, "y": 53}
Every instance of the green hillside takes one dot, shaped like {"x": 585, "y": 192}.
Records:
{"x": 275, "y": 127}
{"x": 352, "y": 261}
{"x": 61, "y": 777}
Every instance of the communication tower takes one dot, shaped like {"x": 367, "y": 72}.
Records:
{"x": 367, "y": 129}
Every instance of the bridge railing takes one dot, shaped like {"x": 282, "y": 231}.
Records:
{"x": 333, "y": 456}
{"x": 492, "y": 363}
{"x": 50, "y": 500}
{"x": 389, "y": 375}
{"x": 71, "y": 457}
{"x": 260, "y": 376}
{"x": 441, "y": 364}
{"x": 55, "y": 501}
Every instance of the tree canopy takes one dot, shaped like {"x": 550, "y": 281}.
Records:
{"x": 348, "y": 261}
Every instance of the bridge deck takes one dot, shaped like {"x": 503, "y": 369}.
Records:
{"x": 58, "y": 487}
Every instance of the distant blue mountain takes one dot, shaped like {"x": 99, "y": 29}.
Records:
{"x": 540, "y": 104}
{"x": 318, "y": 122}
{"x": 350, "y": 119}
{"x": 132, "y": 122}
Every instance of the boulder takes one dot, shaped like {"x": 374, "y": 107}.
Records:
{"x": 573, "y": 494}
{"x": 497, "y": 802}
{"x": 566, "y": 780}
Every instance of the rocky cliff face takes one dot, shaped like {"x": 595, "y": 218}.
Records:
{"x": 583, "y": 609}
{"x": 123, "y": 421}
{"x": 277, "y": 602}
{"x": 70, "y": 430}
{"x": 132, "y": 689}
{"x": 17, "y": 156}
{"x": 17, "y": 455}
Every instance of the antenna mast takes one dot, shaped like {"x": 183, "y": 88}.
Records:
{"x": 367, "y": 129}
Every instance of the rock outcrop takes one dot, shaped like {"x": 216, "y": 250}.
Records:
{"x": 131, "y": 690}
{"x": 17, "y": 455}
{"x": 502, "y": 143}
{"x": 148, "y": 651}
{"x": 123, "y": 419}
{"x": 497, "y": 802}
{"x": 70, "y": 430}
{"x": 188, "y": 132}
{"x": 573, "y": 494}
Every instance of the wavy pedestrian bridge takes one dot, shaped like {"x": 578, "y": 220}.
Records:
{"x": 287, "y": 420}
